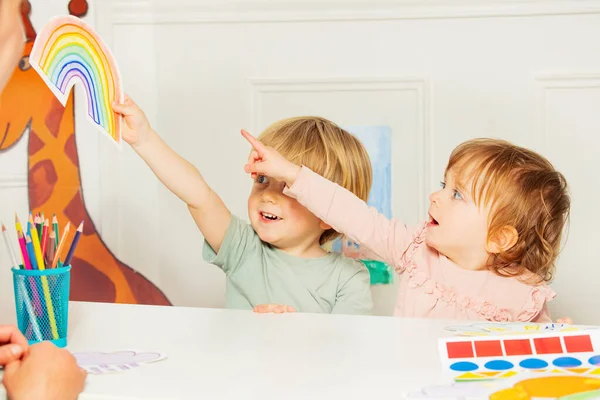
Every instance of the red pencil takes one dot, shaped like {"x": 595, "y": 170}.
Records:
{"x": 45, "y": 237}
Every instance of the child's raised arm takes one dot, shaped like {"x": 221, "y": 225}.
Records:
{"x": 177, "y": 174}
{"x": 333, "y": 204}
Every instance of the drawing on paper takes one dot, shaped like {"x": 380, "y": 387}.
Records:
{"x": 515, "y": 328}
{"x": 500, "y": 357}
{"x": 378, "y": 142}
{"x": 117, "y": 361}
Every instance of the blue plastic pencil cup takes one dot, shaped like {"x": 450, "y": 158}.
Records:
{"x": 42, "y": 303}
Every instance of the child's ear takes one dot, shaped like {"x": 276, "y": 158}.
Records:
{"x": 503, "y": 240}
{"x": 324, "y": 226}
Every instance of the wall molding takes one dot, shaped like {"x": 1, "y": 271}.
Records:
{"x": 13, "y": 181}
{"x": 419, "y": 86}
{"x": 211, "y": 11}
{"x": 555, "y": 82}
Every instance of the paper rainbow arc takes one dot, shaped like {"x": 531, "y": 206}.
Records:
{"x": 67, "y": 50}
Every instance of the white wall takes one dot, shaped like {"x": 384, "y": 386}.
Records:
{"x": 437, "y": 73}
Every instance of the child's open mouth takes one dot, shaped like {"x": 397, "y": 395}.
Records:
{"x": 432, "y": 221}
{"x": 267, "y": 217}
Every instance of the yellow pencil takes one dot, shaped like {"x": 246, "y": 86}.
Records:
{"x": 40, "y": 260}
{"x": 18, "y": 223}
{"x": 36, "y": 245}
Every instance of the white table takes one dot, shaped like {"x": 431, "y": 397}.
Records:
{"x": 226, "y": 354}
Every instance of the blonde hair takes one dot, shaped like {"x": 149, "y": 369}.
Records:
{"x": 326, "y": 149}
{"x": 523, "y": 190}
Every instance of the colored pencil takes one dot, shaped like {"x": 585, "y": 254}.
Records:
{"x": 56, "y": 232}
{"x": 27, "y": 249}
{"x": 50, "y": 249}
{"x": 29, "y": 307}
{"x": 36, "y": 246}
{"x": 22, "y": 289}
{"x": 38, "y": 227}
{"x": 33, "y": 265}
{"x": 11, "y": 251}
{"x": 23, "y": 246}
{"x": 18, "y": 224}
{"x": 49, "y": 306}
{"x": 74, "y": 244}
{"x": 31, "y": 252}
{"x": 45, "y": 238}
{"x": 45, "y": 287}
{"x": 61, "y": 244}
{"x": 20, "y": 229}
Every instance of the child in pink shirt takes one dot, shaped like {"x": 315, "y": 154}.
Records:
{"x": 488, "y": 247}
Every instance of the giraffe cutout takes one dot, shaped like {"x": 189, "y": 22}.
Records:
{"x": 54, "y": 181}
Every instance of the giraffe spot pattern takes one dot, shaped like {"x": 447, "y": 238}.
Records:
{"x": 35, "y": 143}
{"x": 78, "y": 8}
{"x": 54, "y": 117}
{"x": 92, "y": 285}
{"x": 71, "y": 150}
{"x": 76, "y": 213}
{"x": 42, "y": 179}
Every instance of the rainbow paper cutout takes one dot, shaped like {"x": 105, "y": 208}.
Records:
{"x": 68, "y": 50}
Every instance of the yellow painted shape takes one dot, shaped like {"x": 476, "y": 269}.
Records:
{"x": 578, "y": 370}
{"x": 489, "y": 373}
{"x": 510, "y": 394}
{"x": 548, "y": 386}
{"x": 470, "y": 376}
{"x": 509, "y": 374}
{"x": 532, "y": 327}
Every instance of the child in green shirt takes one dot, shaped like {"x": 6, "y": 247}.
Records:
{"x": 278, "y": 258}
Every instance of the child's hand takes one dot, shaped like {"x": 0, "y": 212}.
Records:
{"x": 267, "y": 161}
{"x": 273, "y": 308}
{"x": 136, "y": 127}
{"x": 565, "y": 320}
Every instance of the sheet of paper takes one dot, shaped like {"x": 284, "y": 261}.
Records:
{"x": 515, "y": 328}
{"x": 117, "y": 361}
{"x": 536, "y": 384}
{"x": 67, "y": 50}
{"x": 478, "y": 358}
{"x": 456, "y": 391}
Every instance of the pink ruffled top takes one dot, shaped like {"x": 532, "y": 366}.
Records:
{"x": 431, "y": 285}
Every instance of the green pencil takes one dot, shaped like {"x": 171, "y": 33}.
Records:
{"x": 38, "y": 226}
{"x": 55, "y": 227}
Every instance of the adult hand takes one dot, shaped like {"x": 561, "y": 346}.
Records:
{"x": 13, "y": 344}
{"x": 47, "y": 373}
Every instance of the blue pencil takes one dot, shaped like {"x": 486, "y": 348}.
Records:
{"x": 31, "y": 252}
{"x": 73, "y": 245}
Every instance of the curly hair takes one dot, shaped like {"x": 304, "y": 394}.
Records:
{"x": 326, "y": 149}
{"x": 522, "y": 190}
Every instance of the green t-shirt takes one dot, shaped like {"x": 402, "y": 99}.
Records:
{"x": 258, "y": 273}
